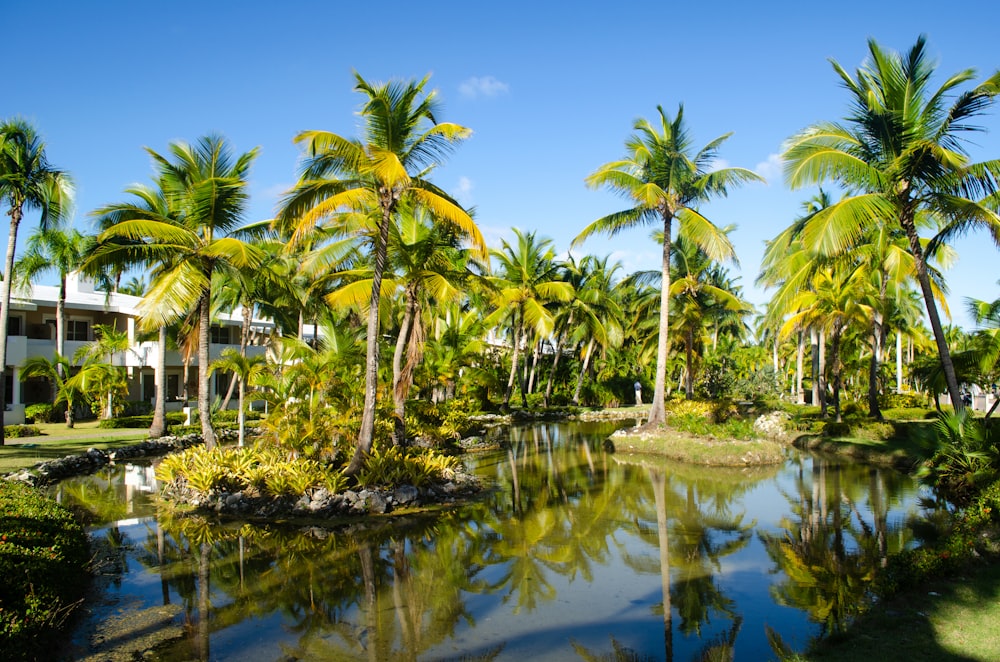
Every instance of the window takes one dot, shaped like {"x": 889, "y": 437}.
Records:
{"x": 222, "y": 380}
{"x": 14, "y": 326}
{"x": 219, "y": 335}
{"x": 77, "y": 330}
{"x": 173, "y": 387}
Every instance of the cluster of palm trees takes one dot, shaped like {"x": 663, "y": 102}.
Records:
{"x": 367, "y": 247}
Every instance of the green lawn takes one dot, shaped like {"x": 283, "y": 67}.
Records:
{"x": 943, "y": 620}
{"x": 58, "y": 441}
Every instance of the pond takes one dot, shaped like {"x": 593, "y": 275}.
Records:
{"x": 573, "y": 553}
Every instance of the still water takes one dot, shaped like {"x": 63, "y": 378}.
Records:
{"x": 572, "y": 554}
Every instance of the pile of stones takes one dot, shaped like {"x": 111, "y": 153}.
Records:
{"x": 52, "y": 471}
{"x": 320, "y": 503}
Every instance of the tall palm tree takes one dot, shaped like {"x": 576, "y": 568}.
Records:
{"x": 53, "y": 249}
{"x": 402, "y": 141}
{"x": 205, "y": 188}
{"x": 525, "y": 281}
{"x": 27, "y": 181}
{"x": 901, "y": 153}
{"x": 666, "y": 179}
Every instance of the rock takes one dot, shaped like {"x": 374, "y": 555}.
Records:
{"x": 377, "y": 503}
{"x": 405, "y": 494}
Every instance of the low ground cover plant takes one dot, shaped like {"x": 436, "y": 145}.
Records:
{"x": 267, "y": 470}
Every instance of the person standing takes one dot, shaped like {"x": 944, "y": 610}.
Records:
{"x": 638, "y": 393}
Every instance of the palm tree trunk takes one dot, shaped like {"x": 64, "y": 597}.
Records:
{"x": 932, "y": 312}
{"x": 534, "y": 365}
{"x": 878, "y": 339}
{"x": 799, "y": 364}
{"x": 814, "y": 356}
{"x": 899, "y": 361}
{"x": 822, "y": 373}
{"x": 159, "y": 426}
{"x": 61, "y": 326}
{"x": 689, "y": 364}
{"x": 835, "y": 359}
{"x": 366, "y": 435}
{"x": 241, "y": 416}
{"x": 513, "y": 368}
{"x": 8, "y": 272}
{"x": 583, "y": 371}
{"x": 204, "y": 398}
{"x": 399, "y": 393}
{"x": 657, "y": 412}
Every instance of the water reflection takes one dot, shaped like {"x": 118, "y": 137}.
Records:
{"x": 574, "y": 553}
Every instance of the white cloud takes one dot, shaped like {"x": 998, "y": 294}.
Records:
{"x": 770, "y": 169}
{"x": 463, "y": 192}
{"x": 485, "y": 86}
{"x": 717, "y": 164}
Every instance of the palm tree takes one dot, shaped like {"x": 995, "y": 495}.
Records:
{"x": 900, "y": 153}
{"x": 205, "y": 190}
{"x": 27, "y": 181}
{"x": 342, "y": 177}
{"x": 102, "y": 350}
{"x": 55, "y": 372}
{"x": 246, "y": 369}
{"x": 526, "y": 281}
{"x": 666, "y": 179}
{"x": 53, "y": 249}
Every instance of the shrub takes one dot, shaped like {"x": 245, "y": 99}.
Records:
{"x": 139, "y": 422}
{"x": 903, "y": 401}
{"x": 684, "y": 407}
{"x": 41, "y": 412}
{"x": 835, "y": 429}
{"x": 874, "y": 431}
{"x": 17, "y": 431}
{"x": 43, "y": 557}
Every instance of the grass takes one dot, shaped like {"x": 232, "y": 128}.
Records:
{"x": 671, "y": 443}
{"x": 58, "y": 441}
{"x": 942, "y": 620}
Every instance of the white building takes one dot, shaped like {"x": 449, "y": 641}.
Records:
{"x": 32, "y": 329}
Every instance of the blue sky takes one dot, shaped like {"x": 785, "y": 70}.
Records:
{"x": 550, "y": 90}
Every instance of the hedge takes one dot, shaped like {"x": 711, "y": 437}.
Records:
{"x": 43, "y": 563}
